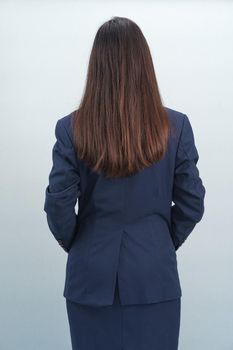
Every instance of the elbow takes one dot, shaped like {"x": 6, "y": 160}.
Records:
{"x": 200, "y": 213}
{"x": 200, "y": 210}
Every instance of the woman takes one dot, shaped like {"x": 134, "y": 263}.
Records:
{"x": 131, "y": 163}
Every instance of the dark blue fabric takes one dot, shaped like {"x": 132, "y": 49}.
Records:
{"x": 131, "y": 327}
{"x": 132, "y": 226}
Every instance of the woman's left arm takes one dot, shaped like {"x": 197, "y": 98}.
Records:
{"x": 63, "y": 189}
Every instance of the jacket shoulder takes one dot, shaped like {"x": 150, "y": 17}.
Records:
{"x": 176, "y": 119}
{"x": 175, "y": 116}
{"x": 65, "y": 122}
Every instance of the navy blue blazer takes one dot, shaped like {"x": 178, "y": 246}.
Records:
{"x": 130, "y": 227}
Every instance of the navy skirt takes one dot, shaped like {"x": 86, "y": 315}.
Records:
{"x": 152, "y": 326}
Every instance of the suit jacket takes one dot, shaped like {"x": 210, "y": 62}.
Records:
{"x": 130, "y": 227}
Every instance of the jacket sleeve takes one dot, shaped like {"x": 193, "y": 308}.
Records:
{"x": 188, "y": 189}
{"x": 63, "y": 189}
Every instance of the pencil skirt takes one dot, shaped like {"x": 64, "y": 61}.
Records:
{"x": 152, "y": 326}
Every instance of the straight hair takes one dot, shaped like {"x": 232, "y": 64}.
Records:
{"x": 120, "y": 126}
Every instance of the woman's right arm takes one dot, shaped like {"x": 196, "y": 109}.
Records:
{"x": 188, "y": 190}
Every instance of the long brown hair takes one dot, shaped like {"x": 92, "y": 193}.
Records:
{"x": 121, "y": 125}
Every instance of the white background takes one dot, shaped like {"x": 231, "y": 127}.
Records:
{"x": 45, "y": 47}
